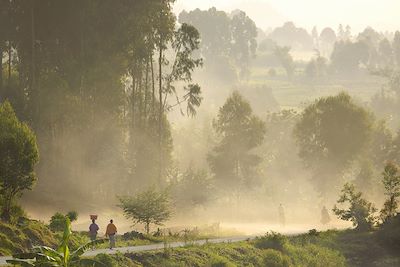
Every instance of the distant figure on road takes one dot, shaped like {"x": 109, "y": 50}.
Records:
{"x": 325, "y": 218}
{"x": 281, "y": 215}
{"x": 93, "y": 229}
{"x": 111, "y": 231}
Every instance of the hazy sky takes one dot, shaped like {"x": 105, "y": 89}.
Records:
{"x": 380, "y": 14}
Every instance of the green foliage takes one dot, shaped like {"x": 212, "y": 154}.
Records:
{"x": 317, "y": 68}
{"x": 330, "y": 134}
{"x": 271, "y": 240}
{"x": 72, "y": 216}
{"x": 148, "y": 207}
{"x": 274, "y": 258}
{"x": 389, "y": 233}
{"x": 240, "y": 131}
{"x": 114, "y": 261}
{"x": 347, "y": 56}
{"x": 194, "y": 188}
{"x": 242, "y": 254}
{"x": 360, "y": 211}
{"x": 227, "y": 42}
{"x": 290, "y": 35}
{"x": 285, "y": 59}
{"x": 396, "y": 47}
{"x": 57, "y": 221}
{"x": 391, "y": 182}
{"x": 18, "y": 239}
{"x": 62, "y": 257}
{"x": 18, "y": 157}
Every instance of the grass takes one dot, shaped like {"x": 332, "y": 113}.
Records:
{"x": 293, "y": 94}
{"x": 270, "y": 250}
{"x": 17, "y": 239}
{"x": 331, "y": 248}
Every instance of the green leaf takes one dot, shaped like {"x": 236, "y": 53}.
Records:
{"x": 87, "y": 246}
{"x": 21, "y": 263}
{"x": 89, "y": 262}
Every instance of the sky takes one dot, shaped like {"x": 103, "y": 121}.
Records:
{"x": 381, "y": 15}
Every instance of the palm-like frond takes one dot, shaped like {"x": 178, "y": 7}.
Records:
{"x": 78, "y": 252}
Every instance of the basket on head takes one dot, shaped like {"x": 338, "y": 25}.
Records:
{"x": 93, "y": 217}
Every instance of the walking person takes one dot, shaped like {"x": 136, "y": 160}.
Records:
{"x": 111, "y": 231}
{"x": 325, "y": 218}
{"x": 93, "y": 229}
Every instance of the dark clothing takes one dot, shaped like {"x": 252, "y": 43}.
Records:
{"x": 93, "y": 229}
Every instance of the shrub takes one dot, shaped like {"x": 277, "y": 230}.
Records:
{"x": 57, "y": 221}
{"x": 271, "y": 240}
{"x": 389, "y": 232}
{"x": 360, "y": 211}
{"x": 133, "y": 235}
{"x": 219, "y": 261}
{"x": 274, "y": 258}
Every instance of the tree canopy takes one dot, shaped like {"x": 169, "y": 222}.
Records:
{"x": 330, "y": 134}
{"x": 150, "y": 206}
{"x": 240, "y": 132}
{"x": 18, "y": 157}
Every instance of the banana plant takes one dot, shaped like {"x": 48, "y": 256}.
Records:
{"x": 43, "y": 256}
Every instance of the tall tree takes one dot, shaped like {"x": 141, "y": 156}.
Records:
{"x": 391, "y": 182}
{"x": 18, "y": 157}
{"x": 232, "y": 161}
{"x": 331, "y": 133}
{"x": 396, "y": 47}
{"x": 286, "y": 60}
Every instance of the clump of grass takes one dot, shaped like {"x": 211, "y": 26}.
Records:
{"x": 271, "y": 240}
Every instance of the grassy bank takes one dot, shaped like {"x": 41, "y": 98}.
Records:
{"x": 16, "y": 239}
{"x": 270, "y": 250}
{"x": 314, "y": 249}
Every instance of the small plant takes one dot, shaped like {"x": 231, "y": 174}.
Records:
{"x": 271, "y": 240}
{"x": 360, "y": 211}
{"x": 62, "y": 257}
{"x": 133, "y": 235}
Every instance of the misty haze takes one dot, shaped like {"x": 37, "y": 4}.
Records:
{"x": 199, "y": 133}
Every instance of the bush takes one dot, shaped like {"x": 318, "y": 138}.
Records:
{"x": 57, "y": 221}
{"x": 116, "y": 260}
{"x": 389, "y": 233}
{"x": 275, "y": 258}
{"x": 271, "y": 241}
{"x": 360, "y": 211}
{"x": 133, "y": 235}
{"x": 218, "y": 261}
{"x": 313, "y": 255}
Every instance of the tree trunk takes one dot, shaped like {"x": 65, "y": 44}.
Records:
{"x": 133, "y": 99}
{"x": 35, "y": 94}
{"x": 9, "y": 63}
{"x": 6, "y": 209}
{"x": 152, "y": 83}
{"x": 1, "y": 72}
{"x": 146, "y": 87}
{"x": 160, "y": 114}
{"x": 147, "y": 227}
